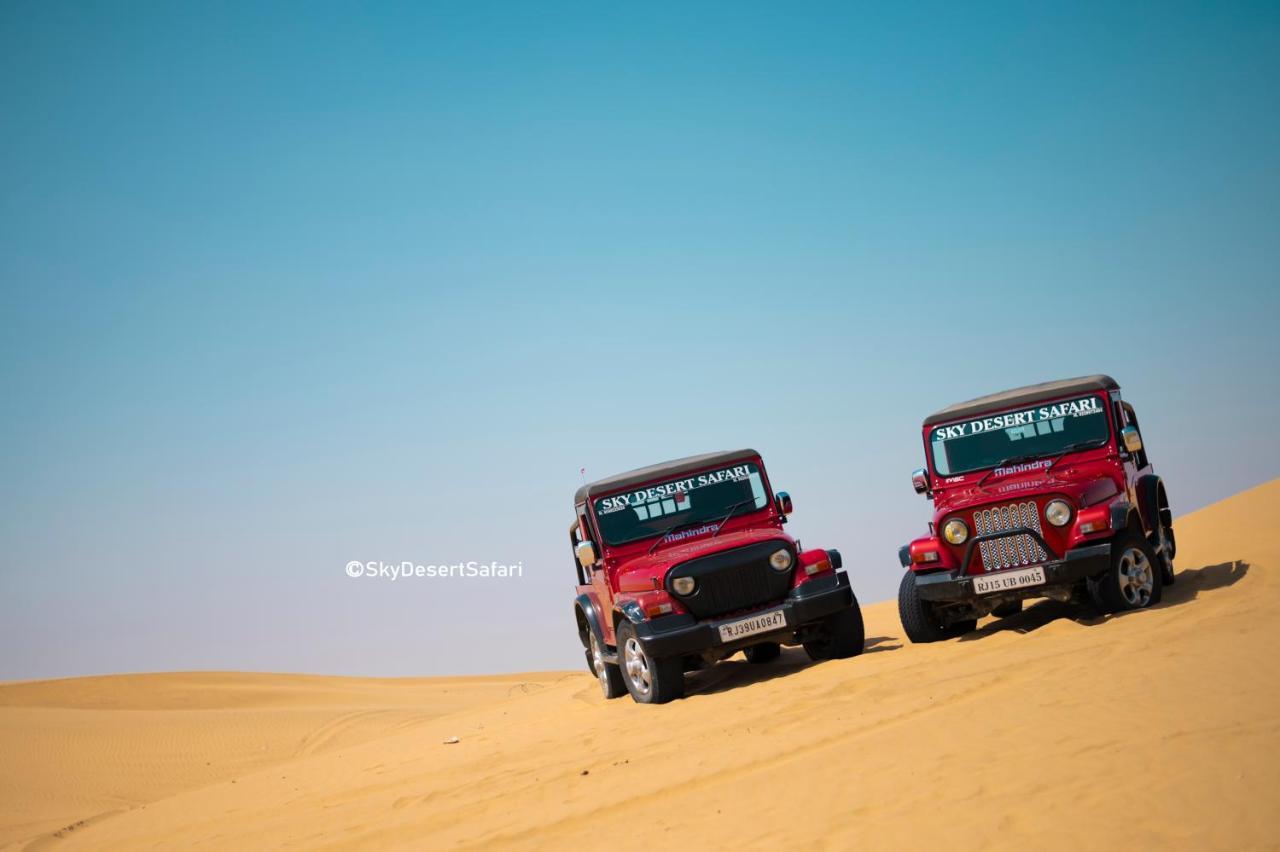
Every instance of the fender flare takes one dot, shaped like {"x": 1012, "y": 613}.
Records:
{"x": 1120, "y": 511}
{"x": 628, "y": 609}
{"x": 1148, "y": 490}
{"x": 584, "y": 613}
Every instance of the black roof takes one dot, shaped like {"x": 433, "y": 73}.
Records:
{"x": 665, "y": 470}
{"x": 1023, "y": 396}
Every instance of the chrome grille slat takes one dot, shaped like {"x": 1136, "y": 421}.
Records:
{"x": 1011, "y": 551}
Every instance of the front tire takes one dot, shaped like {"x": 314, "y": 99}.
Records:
{"x": 608, "y": 674}
{"x": 650, "y": 680}
{"x": 842, "y": 635}
{"x": 921, "y": 620}
{"x": 1134, "y": 580}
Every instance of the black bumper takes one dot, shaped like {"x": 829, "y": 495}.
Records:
{"x": 1077, "y": 565}
{"x": 676, "y": 635}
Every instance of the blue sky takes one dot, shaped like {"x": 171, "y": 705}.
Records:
{"x": 290, "y": 285}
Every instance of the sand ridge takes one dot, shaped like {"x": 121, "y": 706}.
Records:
{"x": 1054, "y": 727}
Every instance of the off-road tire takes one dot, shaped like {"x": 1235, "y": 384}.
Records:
{"x": 843, "y": 635}
{"x": 766, "y": 652}
{"x": 650, "y": 680}
{"x": 920, "y": 622}
{"x": 1007, "y": 609}
{"x": 1168, "y": 575}
{"x": 608, "y": 674}
{"x": 1135, "y": 579}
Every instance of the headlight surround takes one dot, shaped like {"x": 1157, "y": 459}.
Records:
{"x": 780, "y": 560}
{"x": 955, "y": 531}
{"x": 1057, "y": 512}
{"x": 684, "y": 585}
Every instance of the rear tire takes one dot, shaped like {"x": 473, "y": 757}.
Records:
{"x": 843, "y": 635}
{"x": 1165, "y": 547}
{"x": 608, "y": 674}
{"x": 1135, "y": 579}
{"x": 919, "y": 618}
{"x": 650, "y": 680}
{"x": 764, "y": 653}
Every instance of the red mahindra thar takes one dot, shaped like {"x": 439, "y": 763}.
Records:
{"x": 684, "y": 563}
{"x": 1040, "y": 491}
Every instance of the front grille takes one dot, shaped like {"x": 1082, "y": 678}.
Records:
{"x": 733, "y": 579}
{"x": 1013, "y": 550}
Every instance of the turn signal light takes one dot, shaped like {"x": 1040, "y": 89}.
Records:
{"x": 1094, "y": 520}
{"x": 818, "y": 567}
{"x": 925, "y": 556}
{"x": 657, "y": 609}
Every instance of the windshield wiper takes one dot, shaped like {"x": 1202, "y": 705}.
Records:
{"x": 1057, "y": 457}
{"x": 735, "y": 507}
{"x": 1074, "y": 448}
{"x": 690, "y": 522}
{"x": 1012, "y": 460}
{"x": 669, "y": 530}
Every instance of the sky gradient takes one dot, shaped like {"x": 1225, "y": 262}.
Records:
{"x": 286, "y": 286}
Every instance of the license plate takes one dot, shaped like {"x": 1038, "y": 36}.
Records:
{"x": 762, "y": 623}
{"x": 1006, "y": 581}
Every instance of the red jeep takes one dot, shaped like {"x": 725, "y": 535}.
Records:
{"x": 1042, "y": 491}
{"x": 684, "y": 563}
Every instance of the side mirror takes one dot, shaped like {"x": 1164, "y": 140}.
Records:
{"x": 586, "y": 553}
{"x": 920, "y": 480}
{"x": 782, "y": 500}
{"x": 1132, "y": 440}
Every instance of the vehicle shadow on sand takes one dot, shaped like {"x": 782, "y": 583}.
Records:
{"x": 736, "y": 671}
{"x": 1190, "y": 584}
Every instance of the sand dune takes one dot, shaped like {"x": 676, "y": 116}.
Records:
{"x": 1157, "y": 728}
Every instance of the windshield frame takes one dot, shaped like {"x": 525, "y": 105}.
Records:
{"x": 768, "y": 506}
{"x": 1107, "y": 411}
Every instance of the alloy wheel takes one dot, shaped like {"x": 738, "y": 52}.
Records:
{"x": 597, "y": 663}
{"x": 637, "y": 665}
{"x": 1137, "y": 579}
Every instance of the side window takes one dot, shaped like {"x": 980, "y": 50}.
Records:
{"x": 573, "y": 550}
{"x": 576, "y": 529}
{"x": 583, "y": 530}
{"x": 1131, "y": 418}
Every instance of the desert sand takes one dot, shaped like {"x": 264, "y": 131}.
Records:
{"x": 1056, "y": 728}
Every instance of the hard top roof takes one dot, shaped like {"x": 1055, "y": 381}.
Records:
{"x": 665, "y": 470}
{"x": 1023, "y": 396}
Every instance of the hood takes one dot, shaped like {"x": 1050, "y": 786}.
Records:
{"x": 1084, "y": 483}
{"x": 647, "y": 572}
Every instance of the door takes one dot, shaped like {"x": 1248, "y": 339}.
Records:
{"x": 597, "y": 575}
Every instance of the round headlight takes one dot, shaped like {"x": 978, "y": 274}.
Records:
{"x": 780, "y": 560}
{"x": 684, "y": 585}
{"x": 955, "y": 531}
{"x": 1057, "y": 512}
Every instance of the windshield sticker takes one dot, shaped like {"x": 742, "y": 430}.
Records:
{"x": 1020, "y": 424}
{"x": 670, "y": 497}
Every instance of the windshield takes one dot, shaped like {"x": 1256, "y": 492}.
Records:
{"x": 1018, "y": 436}
{"x": 685, "y": 507}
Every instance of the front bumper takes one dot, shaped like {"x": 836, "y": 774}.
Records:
{"x": 676, "y": 635}
{"x": 1077, "y": 565}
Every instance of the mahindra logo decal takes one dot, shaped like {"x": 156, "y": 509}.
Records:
{"x": 1023, "y": 468}
{"x": 693, "y": 533}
